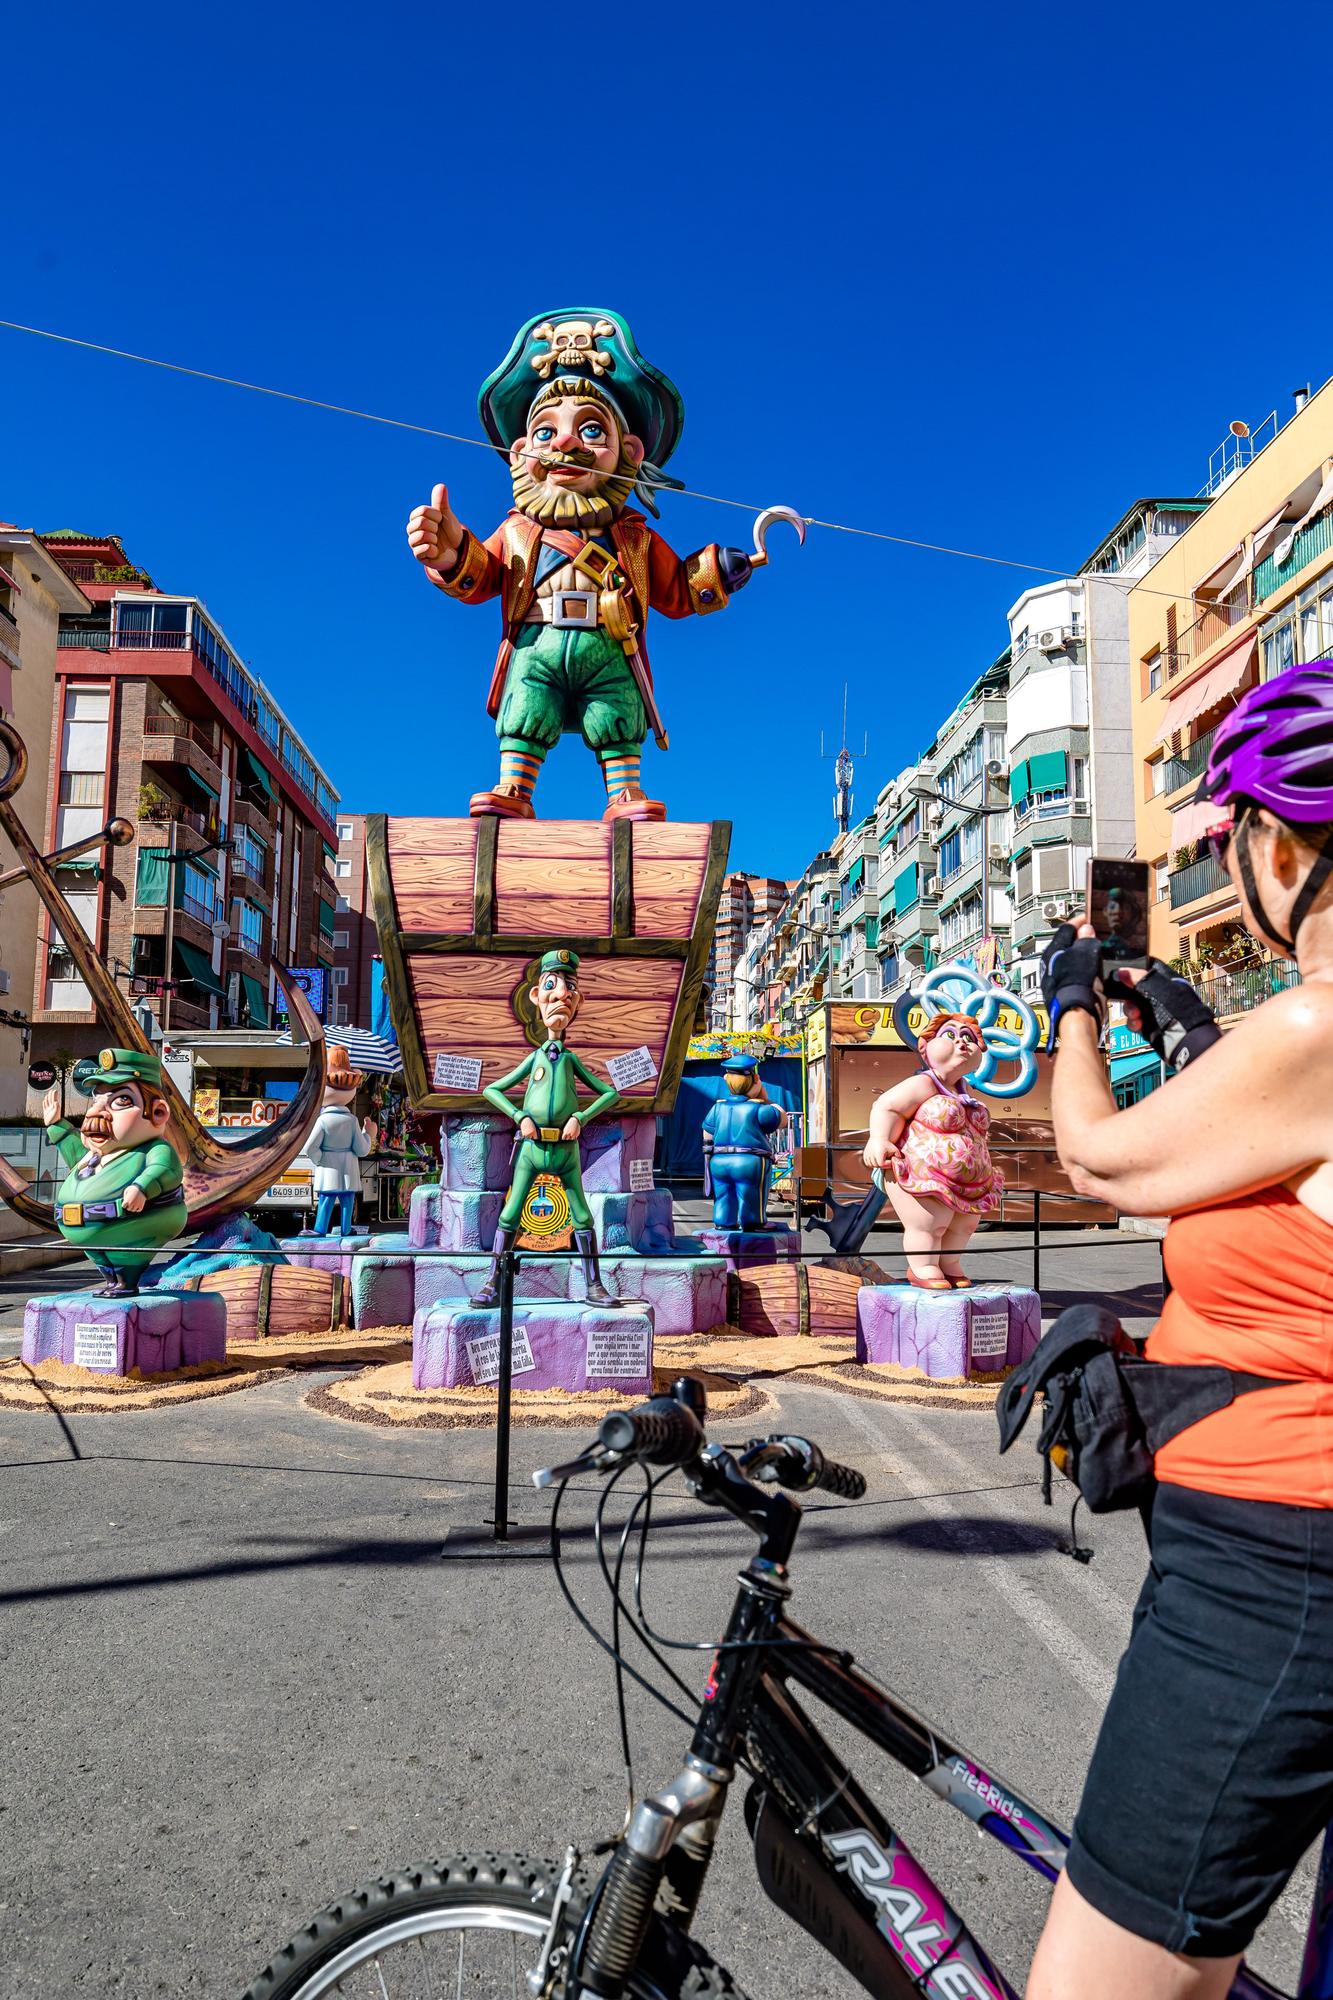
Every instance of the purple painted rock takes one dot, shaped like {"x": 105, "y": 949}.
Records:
{"x": 686, "y": 1294}
{"x": 643, "y": 1222}
{"x": 458, "y": 1276}
{"x": 981, "y": 1330}
{"x": 475, "y": 1148}
{"x": 337, "y": 1254}
{"x": 557, "y": 1345}
{"x": 442, "y": 1218}
{"x": 157, "y": 1332}
{"x": 381, "y": 1290}
{"x": 613, "y": 1148}
{"x": 742, "y": 1247}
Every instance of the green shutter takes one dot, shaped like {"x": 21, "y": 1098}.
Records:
{"x": 855, "y": 873}
{"x": 1049, "y": 772}
{"x": 150, "y": 882}
{"x": 872, "y": 932}
{"x": 1019, "y": 786}
{"x": 259, "y": 773}
{"x": 906, "y": 888}
{"x": 326, "y": 917}
{"x": 256, "y": 1001}
{"x": 196, "y": 967}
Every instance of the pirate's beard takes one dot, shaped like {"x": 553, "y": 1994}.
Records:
{"x": 563, "y": 506}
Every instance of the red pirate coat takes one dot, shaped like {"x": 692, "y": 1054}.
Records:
{"x": 505, "y": 564}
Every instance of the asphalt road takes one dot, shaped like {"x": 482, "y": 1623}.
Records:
{"x": 239, "y": 1678}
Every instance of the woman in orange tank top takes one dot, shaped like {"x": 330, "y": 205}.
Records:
{"x": 1213, "y": 1770}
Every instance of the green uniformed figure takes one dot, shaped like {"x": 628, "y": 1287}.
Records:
{"x": 550, "y": 1122}
{"x": 122, "y": 1199}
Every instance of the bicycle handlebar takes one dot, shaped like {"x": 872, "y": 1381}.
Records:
{"x": 799, "y": 1465}
{"x": 660, "y": 1432}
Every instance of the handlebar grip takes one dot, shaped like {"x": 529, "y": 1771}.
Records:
{"x": 660, "y": 1432}
{"x": 843, "y": 1480}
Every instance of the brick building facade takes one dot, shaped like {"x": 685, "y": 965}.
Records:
{"x": 355, "y": 939}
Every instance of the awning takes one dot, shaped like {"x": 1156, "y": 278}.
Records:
{"x": 259, "y": 773}
{"x": 187, "y": 772}
{"x": 325, "y": 918}
{"x": 198, "y": 969}
{"x": 1221, "y": 577}
{"x": 1048, "y": 771}
{"x": 1323, "y": 496}
{"x": 87, "y": 864}
{"x": 1221, "y": 679}
{"x": 150, "y": 880}
{"x": 256, "y": 1001}
{"x": 1191, "y": 821}
{"x": 1019, "y": 786}
{"x": 1262, "y": 538}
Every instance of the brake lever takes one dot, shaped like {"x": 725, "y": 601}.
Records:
{"x": 595, "y": 1459}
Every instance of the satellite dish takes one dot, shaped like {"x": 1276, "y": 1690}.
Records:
{"x": 1240, "y": 430}
{"x": 220, "y": 927}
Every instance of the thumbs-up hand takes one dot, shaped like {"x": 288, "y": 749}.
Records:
{"x": 434, "y": 533}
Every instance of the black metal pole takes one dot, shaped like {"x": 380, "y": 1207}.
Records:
{"x": 1036, "y": 1239}
{"x": 506, "y": 1391}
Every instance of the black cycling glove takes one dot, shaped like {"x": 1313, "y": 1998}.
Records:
{"x": 1175, "y": 1021}
{"x": 1071, "y": 972}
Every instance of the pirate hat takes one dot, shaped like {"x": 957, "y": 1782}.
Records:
{"x": 588, "y": 345}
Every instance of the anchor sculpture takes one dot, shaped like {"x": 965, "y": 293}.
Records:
{"x": 219, "y": 1180}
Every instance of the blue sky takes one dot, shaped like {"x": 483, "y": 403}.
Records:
{"x": 975, "y": 275}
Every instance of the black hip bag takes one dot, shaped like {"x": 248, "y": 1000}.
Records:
{"x": 1107, "y": 1411}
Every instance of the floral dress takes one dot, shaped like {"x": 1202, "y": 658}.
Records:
{"x": 945, "y": 1156}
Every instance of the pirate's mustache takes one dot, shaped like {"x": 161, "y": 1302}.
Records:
{"x": 580, "y": 461}
{"x": 96, "y": 1125}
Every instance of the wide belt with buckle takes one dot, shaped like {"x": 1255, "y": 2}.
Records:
{"x": 74, "y": 1214}
{"x": 549, "y": 1134}
{"x": 567, "y": 610}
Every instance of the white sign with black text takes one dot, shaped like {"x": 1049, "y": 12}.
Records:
{"x": 483, "y": 1356}
{"x": 617, "y": 1352}
{"x": 641, "y": 1177}
{"x": 990, "y": 1335}
{"x": 457, "y": 1072}
{"x": 629, "y": 1070}
{"x": 95, "y": 1345}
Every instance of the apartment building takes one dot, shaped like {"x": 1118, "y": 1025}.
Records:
{"x": 789, "y": 960}
{"x": 355, "y": 939}
{"x": 1245, "y": 593}
{"x": 155, "y": 720}
{"x": 34, "y": 595}
{"x": 746, "y": 901}
{"x": 1070, "y": 727}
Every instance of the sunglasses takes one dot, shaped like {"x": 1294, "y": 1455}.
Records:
{"x": 1219, "y": 840}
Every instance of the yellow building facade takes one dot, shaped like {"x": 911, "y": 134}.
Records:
{"x": 1245, "y": 592}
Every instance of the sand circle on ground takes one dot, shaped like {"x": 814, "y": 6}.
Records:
{"x": 384, "y": 1396}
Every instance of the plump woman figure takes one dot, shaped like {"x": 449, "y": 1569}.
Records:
{"x": 1213, "y": 1770}
{"x": 928, "y": 1140}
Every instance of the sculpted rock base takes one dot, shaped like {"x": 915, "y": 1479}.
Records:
{"x": 157, "y": 1332}
{"x": 557, "y": 1345}
{"x": 947, "y": 1333}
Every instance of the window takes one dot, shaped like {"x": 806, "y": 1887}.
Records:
{"x": 248, "y": 927}
{"x": 341, "y": 940}
{"x": 1153, "y": 673}
{"x": 81, "y": 788}
{"x": 340, "y": 904}
{"x": 1317, "y": 622}
{"x": 1161, "y": 871}
{"x": 1156, "y": 775}
{"x": 1279, "y": 649}
{"x": 1081, "y": 781}
{"x": 950, "y": 860}
{"x": 344, "y": 830}
{"x": 342, "y": 869}
{"x": 198, "y": 893}
{"x": 338, "y": 975}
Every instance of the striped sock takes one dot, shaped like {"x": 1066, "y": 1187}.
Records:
{"x": 520, "y": 768}
{"x": 621, "y": 769}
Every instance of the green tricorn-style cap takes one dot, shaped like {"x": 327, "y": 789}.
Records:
{"x": 561, "y": 960}
{"x": 126, "y": 1066}
{"x": 587, "y": 344}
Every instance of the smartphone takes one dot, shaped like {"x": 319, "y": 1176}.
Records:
{"x": 1117, "y": 908}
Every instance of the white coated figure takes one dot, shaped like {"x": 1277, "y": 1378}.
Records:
{"x": 337, "y": 1145}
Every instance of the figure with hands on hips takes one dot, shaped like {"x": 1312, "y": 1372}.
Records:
{"x": 738, "y": 1149}
{"x": 337, "y": 1146}
{"x": 928, "y": 1145}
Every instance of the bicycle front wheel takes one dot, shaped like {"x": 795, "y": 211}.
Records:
{"x": 471, "y": 1925}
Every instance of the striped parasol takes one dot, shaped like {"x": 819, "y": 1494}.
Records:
{"x": 371, "y": 1053}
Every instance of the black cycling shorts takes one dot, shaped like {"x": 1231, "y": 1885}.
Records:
{"x": 1213, "y": 1771}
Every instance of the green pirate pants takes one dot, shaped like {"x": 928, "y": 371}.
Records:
{"x": 571, "y": 682}
{"x": 538, "y": 1156}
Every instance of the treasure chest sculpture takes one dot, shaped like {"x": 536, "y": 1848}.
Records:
{"x": 466, "y": 907}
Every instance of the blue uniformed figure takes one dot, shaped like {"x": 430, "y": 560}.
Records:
{"x": 738, "y": 1149}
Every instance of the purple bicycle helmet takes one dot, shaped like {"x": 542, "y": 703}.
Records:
{"x": 1276, "y": 747}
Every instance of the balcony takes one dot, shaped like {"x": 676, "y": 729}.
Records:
{"x": 1049, "y": 805}
{"x": 192, "y": 919}
{"x": 172, "y": 740}
{"x": 252, "y": 819}
{"x": 1237, "y": 990}
{"x": 1178, "y": 772}
{"x": 253, "y": 943}
{"x": 1197, "y": 879}
{"x": 194, "y": 830}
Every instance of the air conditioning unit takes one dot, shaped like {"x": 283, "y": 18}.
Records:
{"x": 1000, "y": 855}
{"x": 1055, "y": 913}
{"x": 996, "y": 769}
{"x": 932, "y": 888}
{"x": 1050, "y": 642}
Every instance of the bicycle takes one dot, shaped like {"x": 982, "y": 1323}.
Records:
{"x": 825, "y": 1854}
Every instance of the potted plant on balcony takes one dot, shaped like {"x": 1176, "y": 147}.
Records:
{"x": 155, "y": 804}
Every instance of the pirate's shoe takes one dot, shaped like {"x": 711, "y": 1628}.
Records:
{"x": 501, "y": 805}
{"x": 633, "y": 803}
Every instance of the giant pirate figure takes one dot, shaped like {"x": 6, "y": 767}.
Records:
{"x": 585, "y": 422}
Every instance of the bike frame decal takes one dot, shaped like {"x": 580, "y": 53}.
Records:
{"x": 1001, "y": 1813}
{"x": 916, "y": 1920}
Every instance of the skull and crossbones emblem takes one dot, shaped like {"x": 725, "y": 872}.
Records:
{"x": 573, "y": 344}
